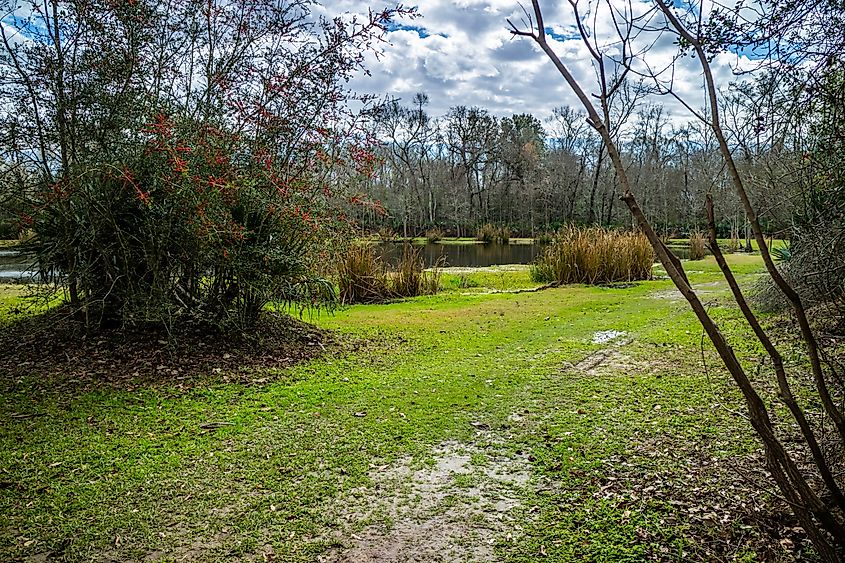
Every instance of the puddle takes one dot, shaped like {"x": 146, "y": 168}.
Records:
{"x": 453, "y": 508}
{"x": 605, "y": 336}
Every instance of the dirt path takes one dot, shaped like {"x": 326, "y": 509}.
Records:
{"x": 455, "y": 506}
{"x": 458, "y": 504}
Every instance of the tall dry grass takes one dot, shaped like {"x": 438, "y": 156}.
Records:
{"x": 387, "y": 234}
{"x": 733, "y": 243}
{"x": 594, "y": 255}
{"x": 363, "y": 277}
{"x": 434, "y": 234}
{"x": 697, "y": 245}
{"x": 492, "y": 233}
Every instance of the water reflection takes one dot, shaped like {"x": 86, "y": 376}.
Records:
{"x": 467, "y": 255}
{"x": 15, "y": 265}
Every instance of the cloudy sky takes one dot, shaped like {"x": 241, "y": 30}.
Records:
{"x": 460, "y": 52}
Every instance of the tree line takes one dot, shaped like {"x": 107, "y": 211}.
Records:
{"x": 469, "y": 167}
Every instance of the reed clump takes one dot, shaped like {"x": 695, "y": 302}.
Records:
{"x": 364, "y": 277}
{"x": 493, "y": 233}
{"x": 733, "y": 244}
{"x": 594, "y": 255}
{"x": 435, "y": 234}
{"x": 697, "y": 246}
{"x": 387, "y": 234}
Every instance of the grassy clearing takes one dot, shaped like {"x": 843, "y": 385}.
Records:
{"x": 726, "y": 243}
{"x": 123, "y": 475}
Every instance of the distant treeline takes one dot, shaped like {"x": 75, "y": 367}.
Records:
{"x": 469, "y": 168}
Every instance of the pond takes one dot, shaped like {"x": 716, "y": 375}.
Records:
{"x": 14, "y": 265}
{"x": 466, "y": 255}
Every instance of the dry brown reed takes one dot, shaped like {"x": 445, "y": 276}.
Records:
{"x": 697, "y": 245}
{"x": 434, "y": 235}
{"x": 594, "y": 255}
{"x": 492, "y": 233}
{"x": 363, "y": 277}
{"x": 733, "y": 244}
{"x": 387, "y": 234}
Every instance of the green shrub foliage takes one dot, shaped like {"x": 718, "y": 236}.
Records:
{"x": 186, "y": 229}
{"x": 199, "y": 177}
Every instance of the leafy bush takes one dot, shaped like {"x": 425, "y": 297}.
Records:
{"x": 157, "y": 194}
{"x": 184, "y": 230}
{"x": 780, "y": 253}
{"x": 492, "y": 233}
{"x": 697, "y": 246}
{"x": 8, "y": 230}
{"x": 594, "y": 255}
{"x": 363, "y": 277}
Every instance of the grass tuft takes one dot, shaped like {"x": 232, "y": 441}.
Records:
{"x": 594, "y": 255}
{"x": 435, "y": 234}
{"x": 492, "y": 233}
{"x": 363, "y": 277}
{"x": 697, "y": 246}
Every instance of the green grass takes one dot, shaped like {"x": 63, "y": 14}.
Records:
{"x": 724, "y": 242}
{"x": 125, "y": 474}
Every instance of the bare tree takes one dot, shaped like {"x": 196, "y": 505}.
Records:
{"x": 823, "y": 525}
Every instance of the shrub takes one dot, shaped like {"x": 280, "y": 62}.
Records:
{"x": 8, "y": 230}
{"x": 157, "y": 199}
{"x": 697, "y": 246}
{"x": 594, "y": 255}
{"x": 182, "y": 231}
{"x": 491, "y": 233}
{"x": 544, "y": 238}
{"x": 434, "y": 235}
{"x": 363, "y": 277}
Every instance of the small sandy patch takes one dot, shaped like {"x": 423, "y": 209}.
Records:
{"x": 453, "y": 508}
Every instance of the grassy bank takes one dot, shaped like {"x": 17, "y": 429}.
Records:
{"x": 305, "y": 464}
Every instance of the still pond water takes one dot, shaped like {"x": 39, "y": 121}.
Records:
{"x": 480, "y": 255}
{"x": 466, "y": 255}
{"x": 16, "y": 266}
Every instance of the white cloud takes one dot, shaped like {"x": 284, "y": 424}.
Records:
{"x": 465, "y": 55}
